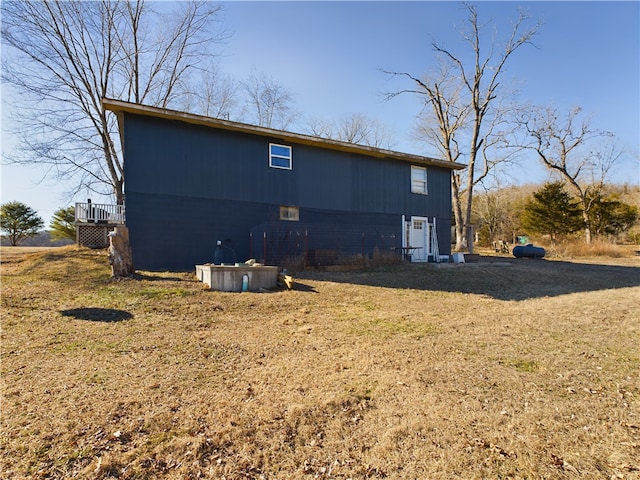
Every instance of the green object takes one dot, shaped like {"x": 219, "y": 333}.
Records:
{"x": 19, "y": 221}
{"x": 552, "y": 211}
{"x": 63, "y": 224}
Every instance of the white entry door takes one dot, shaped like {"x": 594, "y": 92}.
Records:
{"x": 420, "y": 235}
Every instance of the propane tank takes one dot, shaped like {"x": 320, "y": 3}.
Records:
{"x": 528, "y": 251}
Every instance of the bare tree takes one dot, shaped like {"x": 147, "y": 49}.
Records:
{"x": 498, "y": 209}
{"x": 268, "y": 103}
{"x": 64, "y": 57}
{"x": 212, "y": 93}
{"x": 568, "y": 146}
{"x": 319, "y": 128}
{"x": 464, "y": 116}
{"x": 490, "y": 210}
{"x": 361, "y": 129}
{"x": 355, "y": 128}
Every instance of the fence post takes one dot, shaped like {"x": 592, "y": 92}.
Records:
{"x": 306, "y": 248}
{"x": 264, "y": 247}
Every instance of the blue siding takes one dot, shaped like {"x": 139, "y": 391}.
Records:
{"x": 188, "y": 186}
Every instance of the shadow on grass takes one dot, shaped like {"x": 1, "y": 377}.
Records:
{"x": 95, "y": 314}
{"x": 297, "y": 286}
{"x": 156, "y": 278}
{"x": 303, "y": 287}
{"x": 509, "y": 279}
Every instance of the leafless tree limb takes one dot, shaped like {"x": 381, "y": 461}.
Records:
{"x": 461, "y": 107}
{"x": 64, "y": 57}
{"x": 268, "y": 103}
{"x": 563, "y": 143}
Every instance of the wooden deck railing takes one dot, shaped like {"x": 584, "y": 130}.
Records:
{"x": 99, "y": 213}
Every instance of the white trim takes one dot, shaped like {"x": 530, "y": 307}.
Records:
{"x": 433, "y": 238}
{"x": 99, "y": 213}
{"x": 282, "y": 157}
{"x": 419, "y": 180}
{"x": 425, "y": 239}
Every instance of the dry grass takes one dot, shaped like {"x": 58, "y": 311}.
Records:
{"x": 578, "y": 249}
{"x": 504, "y": 369}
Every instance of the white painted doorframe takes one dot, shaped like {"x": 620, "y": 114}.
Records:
{"x": 420, "y": 239}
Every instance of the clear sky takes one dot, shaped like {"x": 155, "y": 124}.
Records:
{"x": 330, "y": 56}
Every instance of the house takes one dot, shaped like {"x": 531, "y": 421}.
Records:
{"x": 200, "y": 189}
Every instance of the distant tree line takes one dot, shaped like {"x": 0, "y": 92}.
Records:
{"x": 551, "y": 211}
{"x": 21, "y": 225}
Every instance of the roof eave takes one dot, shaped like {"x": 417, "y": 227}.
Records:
{"x": 119, "y": 107}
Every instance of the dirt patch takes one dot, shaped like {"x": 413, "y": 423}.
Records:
{"x": 507, "y": 369}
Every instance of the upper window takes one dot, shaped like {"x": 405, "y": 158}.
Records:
{"x": 419, "y": 180}
{"x": 279, "y": 156}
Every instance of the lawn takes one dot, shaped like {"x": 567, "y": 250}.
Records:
{"x": 499, "y": 369}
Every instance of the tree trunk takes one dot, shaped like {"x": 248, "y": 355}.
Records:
{"x": 470, "y": 237}
{"x": 461, "y": 240}
{"x": 587, "y": 228}
{"x": 468, "y": 227}
{"x": 120, "y": 256}
{"x": 119, "y": 192}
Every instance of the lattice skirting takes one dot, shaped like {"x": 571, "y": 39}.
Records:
{"x": 93, "y": 236}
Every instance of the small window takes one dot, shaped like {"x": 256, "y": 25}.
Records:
{"x": 291, "y": 214}
{"x": 279, "y": 156}
{"x": 419, "y": 180}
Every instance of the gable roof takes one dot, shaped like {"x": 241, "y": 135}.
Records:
{"x": 120, "y": 107}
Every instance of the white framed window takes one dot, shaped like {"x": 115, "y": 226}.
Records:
{"x": 288, "y": 213}
{"x": 280, "y": 156}
{"x": 419, "y": 180}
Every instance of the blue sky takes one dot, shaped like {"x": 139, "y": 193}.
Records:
{"x": 329, "y": 55}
